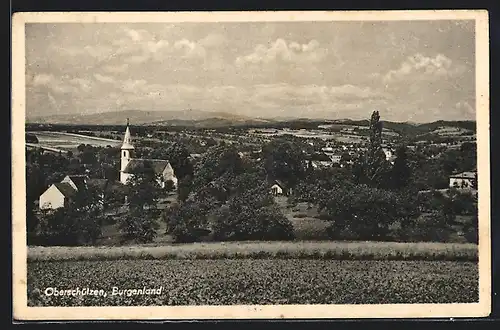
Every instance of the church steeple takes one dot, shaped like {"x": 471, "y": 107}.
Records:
{"x": 127, "y": 140}
{"x": 126, "y": 150}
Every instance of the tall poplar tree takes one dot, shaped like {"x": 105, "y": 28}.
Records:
{"x": 375, "y": 160}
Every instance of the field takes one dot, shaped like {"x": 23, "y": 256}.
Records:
{"x": 326, "y": 250}
{"x": 68, "y": 141}
{"x": 228, "y": 282}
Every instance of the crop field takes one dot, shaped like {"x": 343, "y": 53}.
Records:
{"x": 324, "y": 250}
{"x": 229, "y": 282}
{"x": 67, "y": 141}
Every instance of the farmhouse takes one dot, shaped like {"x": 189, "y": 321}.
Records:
{"x": 279, "y": 188}
{"x": 61, "y": 193}
{"x": 336, "y": 158}
{"x": 464, "y": 180}
{"x": 131, "y": 166}
{"x": 57, "y": 195}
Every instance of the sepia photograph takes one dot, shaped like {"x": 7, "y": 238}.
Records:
{"x": 250, "y": 165}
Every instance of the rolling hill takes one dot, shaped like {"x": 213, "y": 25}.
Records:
{"x": 210, "y": 119}
{"x": 137, "y": 117}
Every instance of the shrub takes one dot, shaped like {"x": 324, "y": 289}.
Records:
{"x": 138, "y": 226}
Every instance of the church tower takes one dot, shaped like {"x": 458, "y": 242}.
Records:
{"x": 126, "y": 154}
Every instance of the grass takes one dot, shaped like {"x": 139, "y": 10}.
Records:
{"x": 264, "y": 250}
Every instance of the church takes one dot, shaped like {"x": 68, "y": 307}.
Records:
{"x": 131, "y": 166}
{"x": 61, "y": 193}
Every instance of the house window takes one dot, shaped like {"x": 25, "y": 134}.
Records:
{"x": 124, "y": 154}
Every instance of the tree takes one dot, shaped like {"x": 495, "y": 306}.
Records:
{"x": 376, "y": 164}
{"x": 188, "y": 221}
{"x": 400, "y": 173}
{"x": 217, "y": 168}
{"x": 79, "y": 222}
{"x": 178, "y": 156}
{"x": 251, "y": 214}
{"x": 366, "y": 212}
{"x": 232, "y": 204}
{"x": 372, "y": 168}
{"x": 140, "y": 223}
{"x": 284, "y": 160}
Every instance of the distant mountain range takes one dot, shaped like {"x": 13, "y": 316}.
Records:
{"x": 138, "y": 117}
{"x": 208, "y": 119}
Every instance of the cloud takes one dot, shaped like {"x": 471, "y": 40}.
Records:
{"x": 131, "y": 85}
{"x": 42, "y": 79}
{"x": 154, "y": 46}
{"x": 137, "y": 35}
{"x": 137, "y": 59}
{"x": 116, "y": 68}
{"x": 465, "y": 107}
{"x": 104, "y": 79}
{"x": 49, "y": 82}
{"x": 82, "y": 84}
{"x": 190, "y": 48}
{"x": 423, "y": 67}
{"x": 212, "y": 40}
{"x": 315, "y": 93}
{"x": 281, "y": 51}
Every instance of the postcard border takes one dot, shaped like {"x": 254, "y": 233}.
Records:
{"x": 19, "y": 266}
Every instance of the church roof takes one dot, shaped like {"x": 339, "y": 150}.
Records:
{"x": 66, "y": 189}
{"x": 98, "y": 183}
{"x": 139, "y": 165}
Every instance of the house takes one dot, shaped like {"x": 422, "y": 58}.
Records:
{"x": 464, "y": 180}
{"x": 388, "y": 153}
{"x": 56, "y": 196}
{"x": 132, "y": 166}
{"x": 336, "y": 158}
{"x": 61, "y": 193}
{"x": 321, "y": 163}
{"x": 77, "y": 182}
{"x": 279, "y": 188}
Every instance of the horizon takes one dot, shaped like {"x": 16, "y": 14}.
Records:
{"x": 410, "y": 71}
{"x": 275, "y": 119}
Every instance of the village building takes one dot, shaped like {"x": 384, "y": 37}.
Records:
{"x": 60, "y": 194}
{"x": 278, "y": 188}
{"x": 132, "y": 166}
{"x": 336, "y": 158}
{"x": 464, "y": 180}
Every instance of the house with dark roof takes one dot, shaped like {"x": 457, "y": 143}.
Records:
{"x": 464, "y": 180}
{"x": 61, "y": 193}
{"x": 133, "y": 166}
{"x": 279, "y": 188}
{"x": 78, "y": 182}
{"x": 57, "y": 195}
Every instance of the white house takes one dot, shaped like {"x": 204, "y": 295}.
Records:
{"x": 279, "y": 188}
{"x": 61, "y": 193}
{"x": 464, "y": 180}
{"x": 56, "y": 196}
{"x": 388, "y": 153}
{"x": 131, "y": 166}
{"x": 336, "y": 158}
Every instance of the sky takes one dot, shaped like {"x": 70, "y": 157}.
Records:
{"x": 417, "y": 71}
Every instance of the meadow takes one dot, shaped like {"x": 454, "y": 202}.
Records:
{"x": 69, "y": 141}
{"x": 249, "y": 282}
